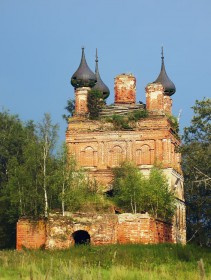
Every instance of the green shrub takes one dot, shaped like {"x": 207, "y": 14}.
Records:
{"x": 174, "y": 123}
{"x": 137, "y": 115}
{"x": 125, "y": 121}
{"x": 120, "y": 122}
{"x": 86, "y": 196}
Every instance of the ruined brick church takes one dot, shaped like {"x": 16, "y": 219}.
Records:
{"x": 99, "y": 146}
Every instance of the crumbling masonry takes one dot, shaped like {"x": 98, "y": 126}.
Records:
{"x": 98, "y": 147}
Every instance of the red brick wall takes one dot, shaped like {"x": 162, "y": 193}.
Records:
{"x": 102, "y": 228}
{"x": 125, "y": 89}
{"x": 30, "y": 234}
{"x": 133, "y": 229}
{"x": 100, "y": 148}
{"x": 161, "y": 232}
{"x": 140, "y": 228}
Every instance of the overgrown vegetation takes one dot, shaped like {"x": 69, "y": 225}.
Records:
{"x": 174, "y": 123}
{"x": 119, "y": 122}
{"x": 126, "y": 121}
{"x": 117, "y": 262}
{"x": 35, "y": 180}
{"x": 76, "y": 191}
{"x": 136, "y": 193}
{"x": 137, "y": 115}
{"x": 95, "y": 103}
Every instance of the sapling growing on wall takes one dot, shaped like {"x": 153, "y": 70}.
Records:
{"x": 136, "y": 193}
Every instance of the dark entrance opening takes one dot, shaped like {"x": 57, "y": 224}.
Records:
{"x": 81, "y": 237}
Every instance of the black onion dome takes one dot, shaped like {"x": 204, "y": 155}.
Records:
{"x": 83, "y": 77}
{"x": 169, "y": 87}
{"x": 100, "y": 84}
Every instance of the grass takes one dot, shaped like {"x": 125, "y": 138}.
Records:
{"x": 115, "y": 262}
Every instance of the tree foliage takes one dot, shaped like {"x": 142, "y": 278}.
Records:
{"x": 21, "y": 175}
{"x": 34, "y": 180}
{"x": 11, "y": 149}
{"x": 85, "y": 195}
{"x": 196, "y": 155}
{"x": 77, "y": 191}
{"x": 70, "y": 109}
{"x": 136, "y": 193}
{"x": 127, "y": 187}
{"x": 95, "y": 103}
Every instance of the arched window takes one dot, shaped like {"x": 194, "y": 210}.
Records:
{"x": 115, "y": 156}
{"x": 87, "y": 157}
{"x": 143, "y": 155}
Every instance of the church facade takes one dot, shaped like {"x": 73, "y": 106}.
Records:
{"x": 99, "y": 145}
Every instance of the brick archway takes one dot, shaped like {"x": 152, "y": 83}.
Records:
{"x": 81, "y": 237}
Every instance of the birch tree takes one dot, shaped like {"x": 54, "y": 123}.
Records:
{"x": 64, "y": 177}
{"x": 48, "y": 136}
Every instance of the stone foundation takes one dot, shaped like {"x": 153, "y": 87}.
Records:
{"x": 60, "y": 232}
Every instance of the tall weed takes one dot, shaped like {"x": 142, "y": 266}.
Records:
{"x": 115, "y": 262}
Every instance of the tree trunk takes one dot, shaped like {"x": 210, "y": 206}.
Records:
{"x": 63, "y": 199}
{"x": 44, "y": 184}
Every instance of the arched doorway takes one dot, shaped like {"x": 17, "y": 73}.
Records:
{"x": 81, "y": 237}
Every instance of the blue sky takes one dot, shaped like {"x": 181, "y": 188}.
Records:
{"x": 40, "y": 49}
